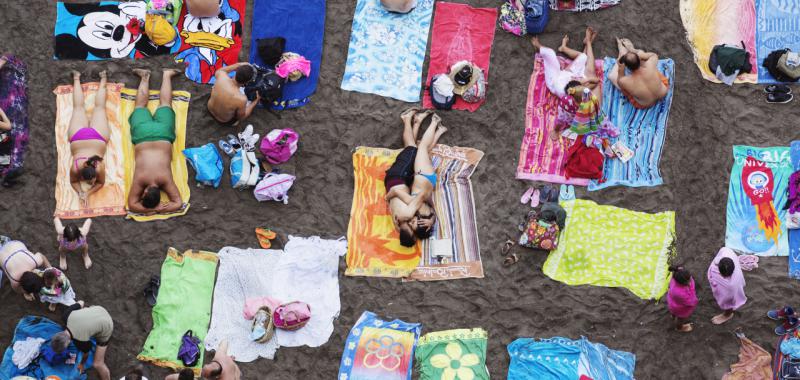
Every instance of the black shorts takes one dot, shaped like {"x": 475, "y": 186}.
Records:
{"x": 402, "y": 168}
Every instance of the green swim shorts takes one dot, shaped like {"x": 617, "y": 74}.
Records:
{"x": 156, "y": 127}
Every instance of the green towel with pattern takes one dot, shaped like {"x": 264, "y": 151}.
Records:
{"x": 452, "y": 354}
{"x": 613, "y": 247}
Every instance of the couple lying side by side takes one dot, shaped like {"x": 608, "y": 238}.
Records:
{"x": 411, "y": 179}
{"x": 151, "y": 134}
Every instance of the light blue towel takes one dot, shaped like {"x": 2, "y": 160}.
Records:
{"x": 794, "y": 235}
{"x": 545, "y": 359}
{"x": 642, "y": 131}
{"x": 387, "y": 50}
{"x": 601, "y": 363}
{"x": 777, "y": 27}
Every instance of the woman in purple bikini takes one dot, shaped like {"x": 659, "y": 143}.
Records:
{"x": 87, "y": 140}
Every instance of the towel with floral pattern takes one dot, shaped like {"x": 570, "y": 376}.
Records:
{"x": 453, "y": 354}
{"x": 377, "y": 349}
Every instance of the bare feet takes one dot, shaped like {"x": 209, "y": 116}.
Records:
{"x": 686, "y": 327}
{"x": 721, "y": 318}
{"x": 535, "y": 42}
{"x": 590, "y": 35}
{"x": 87, "y": 262}
{"x": 628, "y": 44}
{"x": 408, "y": 114}
{"x": 564, "y": 43}
{"x": 103, "y": 75}
{"x": 142, "y": 73}
{"x": 76, "y": 75}
{"x": 621, "y": 47}
{"x": 62, "y": 262}
{"x": 52, "y": 307}
{"x": 418, "y": 119}
{"x": 169, "y": 73}
{"x": 436, "y": 120}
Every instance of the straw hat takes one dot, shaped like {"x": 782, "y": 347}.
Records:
{"x": 464, "y": 75}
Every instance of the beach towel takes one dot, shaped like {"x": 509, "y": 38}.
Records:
{"x": 81, "y": 32}
{"x": 582, "y": 5}
{"x": 561, "y": 358}
{"x": 387, "y": 50}
{"x": 183, "y": 304}
{"x": 779, "y": 357}
{"x": 460, "y": 32}
{"x": 541, "y": 158}
{"x": 714, "y": 22}
{"x": 305, "y": 270}
{"x": 378, "y": 349}
{"x": 613, "y": 247}
{"x": 14, "y": 102}
{"x": 110, "y": 199}
{"x": 452, "y": 252}
{"x": 754, "y": 362}
{"x": 180, "y": 173}
{"x": 453, "y": 354}
{"x": 778, "y": 27}
{"x": 41, "y": 327}
{"x": 210, "y": 43}
{"x": 302, "y": 24}
{"x": 756, "y": 198}
{"x": 728, "y": 291}
{"x": 642, "y": 131}
{"x": 794, "y": 234}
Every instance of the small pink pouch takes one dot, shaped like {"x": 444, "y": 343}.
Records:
{"x": 292, "y": 315}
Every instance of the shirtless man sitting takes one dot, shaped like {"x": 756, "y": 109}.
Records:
{"x": 399, "y": 6}
{"x": 646, "y": 85}
{"x": 18, "y": 260}
{"x": 412, "y": 214}
{"x": 223, "y": 366}
{"x": 152, "y": 136}
{"x": 228, "y": 104}
{"x": 203, "y": 8}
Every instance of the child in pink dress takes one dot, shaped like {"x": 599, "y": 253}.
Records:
{"x": 681, "y": 298}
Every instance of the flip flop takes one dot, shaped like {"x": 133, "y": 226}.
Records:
{"x": 264, "y": 236}
{"x": 506, "y": 247}
{"x": 535, "y": 198}
{"x": 151, "y": 290}
{"x": 527, "y": 196}
{"x": 511, "y": 260}
{"x": 226, "y": 148}
{"x": 563, "y": 193}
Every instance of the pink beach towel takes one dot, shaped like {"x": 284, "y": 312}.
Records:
{"x": 460, "y": 32}
{"x": 681, "y": 299}
{"x": 729, "y": 292}
{"x": 542, "y": 158}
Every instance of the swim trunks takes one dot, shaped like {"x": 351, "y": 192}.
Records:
{"x": 159, "y": 126}
{"x": 402, "y": 170}
{"x": 636, "y": 104}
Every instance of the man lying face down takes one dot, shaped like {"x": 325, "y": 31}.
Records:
{"x": 152, "y": 136}
{"x": 411, "y": 179}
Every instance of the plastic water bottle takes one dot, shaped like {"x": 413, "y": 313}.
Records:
{"x": 587, "y": 95}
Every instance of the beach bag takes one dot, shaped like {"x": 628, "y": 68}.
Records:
{"x": 207, "y": 164}
{"x": 267, "y": 84}
{"x": 584, "y": 161}
{"x": 160, "y": 31}
{"x": 189, "y": 352}
{"x": 274, "y": 187}
{"x": 291, "y": 316}
{"x": 771, "y": 64}
{"x": 791, "y": 72}
{"x": 730, "y": 58}
{"x": 538, "y": 233}
{"x": 245, "y": 169}
{"x": 512, "y": 19}
{"x": 537, "y": 14}
{"x": 279, "y": 145}
{"x": 477, "y": 92}
{"x": 263, "y": 326}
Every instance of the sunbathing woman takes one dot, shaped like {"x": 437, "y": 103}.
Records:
{"x": 88, "y": 139}
{"x": 17, "y": 260}
{"x": 580, "y": 73}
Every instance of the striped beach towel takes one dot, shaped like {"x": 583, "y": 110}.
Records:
{"x": 641, "y": 130}
{"x": 541, "y": 158}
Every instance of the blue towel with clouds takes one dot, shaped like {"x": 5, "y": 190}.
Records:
{"x": 642, "y": 131}
{"x": 777, "y": 27}
{"x": 302, "y": 24}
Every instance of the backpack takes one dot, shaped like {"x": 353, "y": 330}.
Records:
{"x": 729, "y": 59}
{"x": 537, "y": 14}
{"x": 274, "y": 187}
{"x": 189, "y": 352}
{"x": 771, "y": 64}
{"x": 279, "y": 145}
{"x": 267, "y": 83}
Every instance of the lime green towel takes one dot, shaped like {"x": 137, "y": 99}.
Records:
{"x": 613, "y": 247}
{"x": 453, "y": 354}
{"x": 184, "y": 303}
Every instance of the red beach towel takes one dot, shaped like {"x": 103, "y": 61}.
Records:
{"x": 460, "y": 32}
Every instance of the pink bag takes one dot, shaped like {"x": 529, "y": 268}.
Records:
{"x": 279, "y": 145}
{"x": 292, "y": 315}
{"x": 274, "y": 187}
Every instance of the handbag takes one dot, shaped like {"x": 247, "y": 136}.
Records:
{"x": 279, "y": 145}
{"x": 538, "y": 233}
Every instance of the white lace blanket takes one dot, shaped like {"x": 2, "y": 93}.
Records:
{"x": 306, "y": 270}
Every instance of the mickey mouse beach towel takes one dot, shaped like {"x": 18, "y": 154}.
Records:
{"x": 105, "y": 30}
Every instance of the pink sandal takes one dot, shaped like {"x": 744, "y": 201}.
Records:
{"x": 527, "y": 196}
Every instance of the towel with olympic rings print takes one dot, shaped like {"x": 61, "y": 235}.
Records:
{"x": 377, "y": 349}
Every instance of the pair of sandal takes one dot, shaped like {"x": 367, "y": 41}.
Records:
{"x": 265, "y": 235}
{"x": 535, "y": 196}
{"x": 246, "y": 140}
{"x": 778, "y": 93}
{"x": 511, "y": 258}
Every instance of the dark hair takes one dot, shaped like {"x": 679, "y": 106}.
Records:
{"x": 152, "y": 197}
{"x": 631, "y": 60}
{"x": 72, "y": 232}
{"x": 571, "y": 84}
{"x": 90, "y": 171}
{"x": 407, "y": 238}
{"x": 49, "y": 277}
{"x": 217, "y": 371}
{"x": 31, "y": 282}
{"x": 423, "y": 232}
{"x": 136, "y": 373}
{"x": 680, "y": 274}
{"x": 726, "y": 267}
{"x": 244, "y": 74}
{"x": 186, "y": 374}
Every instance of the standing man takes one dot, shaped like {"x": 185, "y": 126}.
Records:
{"x": 81, "y": 325}
{"x": 228, "y": 104}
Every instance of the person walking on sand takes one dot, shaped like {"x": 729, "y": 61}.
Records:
{"x": 81, "y": 325}
{"x": 152, "y": 136}
{"x": 645, "y": 85}
{"x": 88, "y": 139}
{"x": 681, "y": 298}
{"x": 228, "y": 104}
{"x": 223, "y": 366}
{"x": 17, "y": 260}
{"x": 72, "y": 238}
{"x": 727, "y": 284}
{"x": 581, "y": 73}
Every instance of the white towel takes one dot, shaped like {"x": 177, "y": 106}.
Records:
{"x": 306, "y": 270}
{"x": 25, "y": 351}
